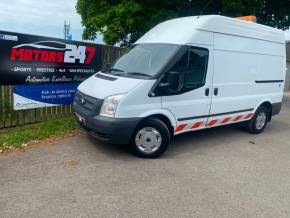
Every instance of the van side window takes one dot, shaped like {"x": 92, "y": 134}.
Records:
{"x": 197, "y": 66}
{"x": 188, "y": 73}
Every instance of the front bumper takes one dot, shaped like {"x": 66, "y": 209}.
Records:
{"x": 113, "y": 130}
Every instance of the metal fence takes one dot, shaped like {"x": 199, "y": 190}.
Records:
{"x": 11, "y": 118}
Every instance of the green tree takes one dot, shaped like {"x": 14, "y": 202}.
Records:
{"x": 124, "y": 21}
{"x": 275, "y": 13}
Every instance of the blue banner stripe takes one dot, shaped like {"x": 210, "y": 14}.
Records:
{"x": 50, "y": 94}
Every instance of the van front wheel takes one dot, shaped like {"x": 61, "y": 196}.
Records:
{"x": 150, "y": 139}
{"x": 259, "y": 121}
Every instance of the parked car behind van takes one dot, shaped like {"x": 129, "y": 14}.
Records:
{"x": 184, "y": 75}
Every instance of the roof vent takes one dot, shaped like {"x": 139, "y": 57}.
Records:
{"x": 101, "y": 76}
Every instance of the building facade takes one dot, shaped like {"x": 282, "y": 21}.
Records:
{"x": 287, "y": 84}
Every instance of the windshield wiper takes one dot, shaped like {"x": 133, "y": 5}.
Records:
{"x": 115, "y": 69}
{"x": 138, "y": 74}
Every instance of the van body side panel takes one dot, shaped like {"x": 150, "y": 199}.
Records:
{"x": 247, "y": 45}
{"x": 247, "y": 72}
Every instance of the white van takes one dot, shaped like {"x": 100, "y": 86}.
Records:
{"x": 186, "y": 74}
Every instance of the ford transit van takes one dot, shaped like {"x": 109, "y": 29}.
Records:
{"x": 184, "y": 75}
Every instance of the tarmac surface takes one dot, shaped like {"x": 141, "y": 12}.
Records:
{"x": 221, "y": 172}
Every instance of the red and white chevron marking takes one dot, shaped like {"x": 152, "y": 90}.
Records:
{"x": 212, "y": 122}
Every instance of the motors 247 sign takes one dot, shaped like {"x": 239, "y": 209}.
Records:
{"x": 29, "y": 59}
{"x": 45, "y": 71}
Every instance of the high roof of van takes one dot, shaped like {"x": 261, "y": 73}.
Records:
{"x": 181, "y": 30}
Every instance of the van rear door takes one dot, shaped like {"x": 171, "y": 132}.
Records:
{"x": 189, "y": 99}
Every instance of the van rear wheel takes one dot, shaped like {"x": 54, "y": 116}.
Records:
{"x": 259, "y": 121}
{"x": 150, "y": 139}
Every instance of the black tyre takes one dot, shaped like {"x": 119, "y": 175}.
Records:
{"x": 259, "y": 121}
{"x": 150, "y": 139}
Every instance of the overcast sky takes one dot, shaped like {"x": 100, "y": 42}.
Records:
{"x": 40, "y": 17}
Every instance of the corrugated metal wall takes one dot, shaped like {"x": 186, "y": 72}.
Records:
{"x": 287, "y": 84}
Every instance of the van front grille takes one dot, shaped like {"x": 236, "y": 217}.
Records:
{"x": 88, "y": 105}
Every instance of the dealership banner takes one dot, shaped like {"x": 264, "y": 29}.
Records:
{"x": 28, "y": 59}
{"x": 45, "y": 95}
{"x": 45, "y": 71}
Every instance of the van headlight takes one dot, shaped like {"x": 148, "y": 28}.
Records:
{"x": 110, "y": 105}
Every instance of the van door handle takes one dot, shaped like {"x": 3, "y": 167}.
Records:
{"x": 206, "y": 92}
{"x": 216, "y": 91}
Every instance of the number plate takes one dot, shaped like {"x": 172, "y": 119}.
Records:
{"x": 80, "y": 119}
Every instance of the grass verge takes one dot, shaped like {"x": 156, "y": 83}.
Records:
{"x": 19, "y": 137}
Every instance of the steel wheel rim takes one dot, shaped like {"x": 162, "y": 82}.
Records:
{"x": 261, "y": 120}
{"x": 148, "y": 140}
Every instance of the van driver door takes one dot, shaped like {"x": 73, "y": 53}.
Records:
{"x": 186, "y": 88}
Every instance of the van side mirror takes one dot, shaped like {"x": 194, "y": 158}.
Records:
{"x": 171, "y": 82}
{"x": 173, "y": 73}
{"x": 164, "y": 85}
{"x": 176, "y": 80}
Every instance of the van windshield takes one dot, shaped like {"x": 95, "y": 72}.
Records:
{"x": 143, "y": 60}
